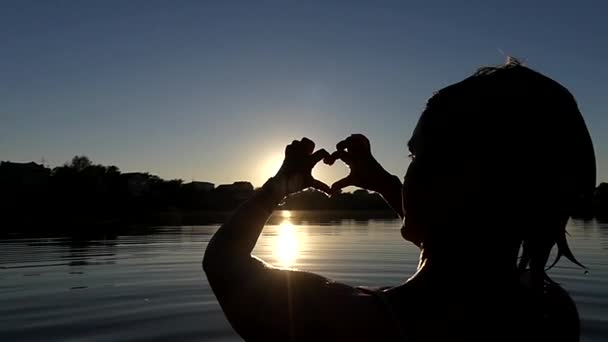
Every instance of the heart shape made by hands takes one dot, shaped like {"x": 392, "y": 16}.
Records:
{"x": 328, "y": 171}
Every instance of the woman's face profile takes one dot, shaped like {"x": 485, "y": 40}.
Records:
{"x": 415, "y": 194}
{"x": 441, "y": 185}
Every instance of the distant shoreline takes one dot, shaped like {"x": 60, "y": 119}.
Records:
{"x": 85, "y": 198}
{"x": 191, "y": 218}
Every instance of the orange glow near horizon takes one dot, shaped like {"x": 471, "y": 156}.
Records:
{"x": 269, "y": 168}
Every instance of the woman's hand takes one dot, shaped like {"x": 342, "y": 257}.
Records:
{"x": 365, "y": 171}
{"x": 295, "y": 173}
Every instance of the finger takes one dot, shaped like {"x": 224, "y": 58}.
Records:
{"x": 355, "y": 142}
{"x": 330, "y": 159}
{"x": 360, "y": 139}
{"x": 342, "y": 145}
{"x": 358, "y": 142}
{"x": 346, "y": 144}
{"x": 341, "y": 184}
{"x": 317, "y": 184}
{"x": 317, "y": 156}
{"x": 307, "y": 145}
{"x": 345, "y": 156}
{"x": 292, "y": 148}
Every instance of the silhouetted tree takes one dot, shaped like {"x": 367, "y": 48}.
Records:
{"x": 80, "y": 194}
{"x": 79, "y": 163}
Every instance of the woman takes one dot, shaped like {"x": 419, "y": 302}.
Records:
{"x": 500, "y": 161}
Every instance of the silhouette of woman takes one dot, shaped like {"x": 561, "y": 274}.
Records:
{"x": 500, "y": 161}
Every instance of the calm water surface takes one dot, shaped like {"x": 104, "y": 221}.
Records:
{"x": 151, "y": 287}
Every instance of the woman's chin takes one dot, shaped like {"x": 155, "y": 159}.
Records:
{"x": 411, "y": 235}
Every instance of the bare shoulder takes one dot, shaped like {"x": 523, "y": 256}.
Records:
{"x": 550, "y": 315}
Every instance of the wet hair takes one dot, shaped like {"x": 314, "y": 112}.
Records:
{"x": 533, "y": 149}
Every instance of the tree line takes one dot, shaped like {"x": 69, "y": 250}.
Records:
{"x": 81, "y": 193}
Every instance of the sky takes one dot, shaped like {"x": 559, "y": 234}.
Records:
{"x": 214, "y": 90}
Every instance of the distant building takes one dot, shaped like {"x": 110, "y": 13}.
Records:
{"x": 237, "y": 190}
{"x": 200, "y": 186}
{"x": 243, "y": 186}
{"x": 28, "y": 174}
{"x": 236, "y": 187}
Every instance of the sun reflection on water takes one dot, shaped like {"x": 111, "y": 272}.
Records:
{"x": 287, "y": 245}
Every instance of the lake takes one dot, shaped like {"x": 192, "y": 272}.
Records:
{"x": 149, "y": 285}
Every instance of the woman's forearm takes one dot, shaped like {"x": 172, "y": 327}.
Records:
{"x": 234, "y": 240}
{"x": 237, "y": 237}
{"x": 391, "y": 190}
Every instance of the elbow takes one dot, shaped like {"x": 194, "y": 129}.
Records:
{"x": 212, "y": 256}
{"x": 209, "y": 261}
{"x": 211, "y": 269}
{"x": 215, "y": 260}
{"x": 222, "y": 261}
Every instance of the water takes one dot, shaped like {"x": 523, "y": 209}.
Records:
{"x": 151, "y": 287}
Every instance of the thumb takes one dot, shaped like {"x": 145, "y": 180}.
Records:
{"x": 341, "y": 184}
{"x": 318, "y": 156}
{"x": 317, "y": 184}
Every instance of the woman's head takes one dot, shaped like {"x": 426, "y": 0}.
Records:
{"x": 499, "y": 159}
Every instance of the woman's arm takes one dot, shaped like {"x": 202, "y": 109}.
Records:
{"x": 236, "y": 238}
{"x": 390, "y": 188}
{"x": 266, "y": 303}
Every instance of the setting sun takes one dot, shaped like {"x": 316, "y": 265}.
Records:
{"x": 270, "y": 167}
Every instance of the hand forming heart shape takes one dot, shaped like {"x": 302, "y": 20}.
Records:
{"x": 354, "y": 151}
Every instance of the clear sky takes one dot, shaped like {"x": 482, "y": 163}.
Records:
{"x": 213, "y": 91}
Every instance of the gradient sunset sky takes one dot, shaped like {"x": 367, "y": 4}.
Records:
{"x": 214, "y": 90}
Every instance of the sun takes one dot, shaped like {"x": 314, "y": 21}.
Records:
{"x": 270, "y": 167}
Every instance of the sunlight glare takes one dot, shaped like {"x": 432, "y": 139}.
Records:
{"x": 270, "y": 167}
{"x": 287, "y": 245}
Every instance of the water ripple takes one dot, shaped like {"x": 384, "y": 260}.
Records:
{"x": 151, "y": 286}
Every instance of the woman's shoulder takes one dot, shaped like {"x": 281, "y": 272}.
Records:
{"x": 516, "y": 312}
{"x": 548, "y": 312}
{"x": 552, "y": 305}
